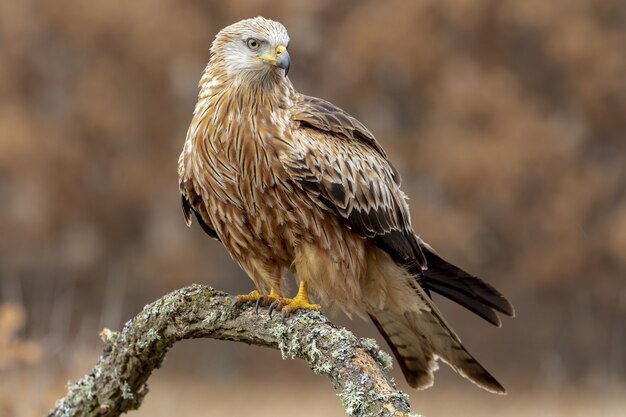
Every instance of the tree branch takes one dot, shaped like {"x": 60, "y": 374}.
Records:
{"x": 118, "y": 381}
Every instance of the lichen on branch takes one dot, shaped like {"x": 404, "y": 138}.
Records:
{"x": 118, "y": 383}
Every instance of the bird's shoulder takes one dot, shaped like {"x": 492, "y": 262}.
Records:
{"x": 319, "y": 114}
{"x": 340, "y": 166}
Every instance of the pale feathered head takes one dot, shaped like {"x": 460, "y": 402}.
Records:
{"x": 252, "y": 48}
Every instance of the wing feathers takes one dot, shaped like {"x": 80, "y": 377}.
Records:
{"x": 467, "y": 290}
{"x": 338, "y": 162}
{"x": 323, "y": 115}
{"x": 341, "y": 167}
{"x": 466, "y": 301}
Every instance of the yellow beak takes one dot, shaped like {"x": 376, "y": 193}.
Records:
{"x": 280, "y": 58}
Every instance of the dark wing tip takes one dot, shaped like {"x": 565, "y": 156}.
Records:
{"x": 467, "y": 301}
{"x": 187, "y": 210}
{"x": 465, "y": 289}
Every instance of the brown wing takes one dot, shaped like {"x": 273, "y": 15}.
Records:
{"x": 321, "y": 114}
{"x": 338, "y": 162}
{"x": 342, "y": 167}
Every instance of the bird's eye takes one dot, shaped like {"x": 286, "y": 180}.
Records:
{"x": 253, "y": 44}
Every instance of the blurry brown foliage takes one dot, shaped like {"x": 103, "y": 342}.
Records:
{"x": 12, "y": 349}
{"x": 507, "y": 120}
{"x": 14, "y": 354}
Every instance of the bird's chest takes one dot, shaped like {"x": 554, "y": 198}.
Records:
{"x": 246, "y": 170}
{"x": 249, "y": 194}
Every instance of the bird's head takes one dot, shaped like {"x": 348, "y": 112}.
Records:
{"x": 253, "y": 48}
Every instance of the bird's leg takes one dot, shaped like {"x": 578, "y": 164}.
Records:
{"x": 299, "y": 302}
{"x": 274, "y": 294}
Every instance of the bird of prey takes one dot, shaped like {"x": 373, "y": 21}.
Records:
{"x": 289, "y": 182}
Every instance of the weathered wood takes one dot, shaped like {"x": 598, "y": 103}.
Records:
{"x": 356, "y": 367}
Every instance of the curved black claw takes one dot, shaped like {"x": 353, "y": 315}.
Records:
{"x": 273, "y": 307}
{"x": 234, "y": 303}
{"x": 258, "y": 303}
{"x": 283, "y": 316}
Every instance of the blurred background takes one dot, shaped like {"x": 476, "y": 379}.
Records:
{"x": 506, "y": 120}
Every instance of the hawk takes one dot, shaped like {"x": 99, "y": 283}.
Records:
{"x": 289, "y": 182}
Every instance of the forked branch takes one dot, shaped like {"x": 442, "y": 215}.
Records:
{"x": 356, "y": 367}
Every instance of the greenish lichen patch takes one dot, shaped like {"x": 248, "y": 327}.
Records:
{"x": 382, "y": 357}
{"x": 317, "y": 359}
{"x": 342, "y": 352}
{"x": 322, "y": 368}
{"x": 309, "y": 317}
{"x": 369, "y": 344}
{"x": 313, "y": 352}
{"x": 211, "y": 318}
{"x": 385, "y": 360}
{"x": 84, "y": 391}
{"x": 127, "y": 393}
{"x": 219, "y": 308}
{"x": 397, "y": 395}
{"x": 147, "y": 341}
{"x": 361, "y": 399}
{"x": 352, "y": 397}
{"x": 345, "y": 335}
{"x": 281, "y": 333}
{"x": 343, "y": 344}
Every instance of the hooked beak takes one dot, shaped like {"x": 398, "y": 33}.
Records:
{"x": 283, "y": 60}
{"x": 280, "y": 58}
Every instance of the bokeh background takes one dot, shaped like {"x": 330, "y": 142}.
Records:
{"x": 507, "y": 120}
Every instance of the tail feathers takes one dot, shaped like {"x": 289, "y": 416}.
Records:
{"x": 467, "y": 290}
{"x": 418, "y": 367}
{"x": 417, "y": 339}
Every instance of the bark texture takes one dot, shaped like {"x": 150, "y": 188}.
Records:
{"x": 118, "y": 382}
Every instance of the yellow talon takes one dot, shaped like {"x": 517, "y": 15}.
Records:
{"x": 299, "y": 302}
{"x": 255, "y": 296}
{"x": 247, "y": 298}
{"x": 277, "y": 302}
